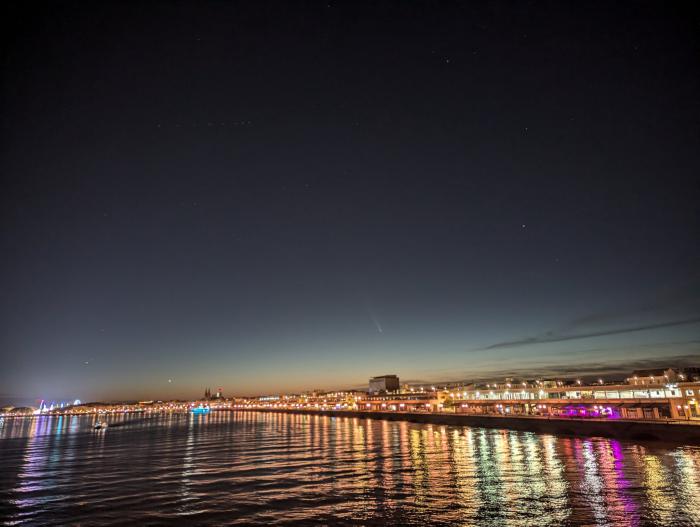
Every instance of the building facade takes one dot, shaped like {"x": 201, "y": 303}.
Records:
{"x": 383, "y": 384}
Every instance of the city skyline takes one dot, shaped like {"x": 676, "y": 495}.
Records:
{"x": 304, "y": 196}
{"x": 590, "y": 373}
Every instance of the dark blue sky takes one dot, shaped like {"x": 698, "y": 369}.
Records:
{"x": 267, "y": 197}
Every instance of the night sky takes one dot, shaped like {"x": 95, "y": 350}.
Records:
{"x": 282, "y": 196}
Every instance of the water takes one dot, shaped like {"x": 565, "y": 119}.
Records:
{"x": 268, "y": 469}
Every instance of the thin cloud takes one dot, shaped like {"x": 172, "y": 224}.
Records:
{"x": 585, "y": 369}
{"x": 556, "y": 337}
{"x": 619, "y": 368}
{"x": 674, "y": 303}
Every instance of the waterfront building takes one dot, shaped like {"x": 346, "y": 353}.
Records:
{"x": 543, "y": 398}
{"x": 689, "y": 405}
{"x": 384, "y": 383}
{"x": 346, "y": 399}
{"x": 416, "y": 401}
{"x": 660, "y": 400}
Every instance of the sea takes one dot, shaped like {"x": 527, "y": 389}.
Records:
{"x": 260, "y": 468}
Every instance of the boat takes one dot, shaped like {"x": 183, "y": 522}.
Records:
{"x": 100, "y": 425}
{"x": 201, "y": 409}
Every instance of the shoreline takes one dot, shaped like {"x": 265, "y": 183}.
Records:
{"x": 674, "y": 431}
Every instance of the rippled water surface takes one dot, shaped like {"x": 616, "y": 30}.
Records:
{"x": 264, "y": 468}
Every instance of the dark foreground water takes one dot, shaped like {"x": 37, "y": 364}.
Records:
{"x": 267, "y": 469}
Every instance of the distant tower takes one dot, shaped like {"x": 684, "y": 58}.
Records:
{"x": 219, "y": 393}
{"x": 207, "y": 393}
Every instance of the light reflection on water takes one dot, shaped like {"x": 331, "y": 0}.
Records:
{"x": 264, "y": 468}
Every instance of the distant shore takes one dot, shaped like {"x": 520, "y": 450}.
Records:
{"x": 670, "y": 430}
